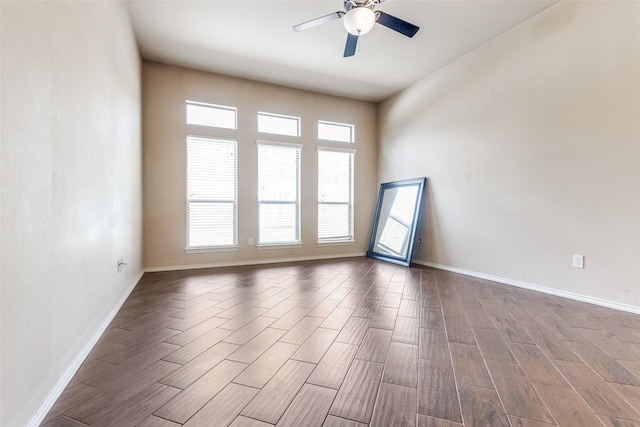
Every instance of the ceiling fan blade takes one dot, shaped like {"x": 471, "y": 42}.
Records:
{"x": 321, "y": 20}
{"x": 396, "y": 24}
{"x": 350, "y": 48}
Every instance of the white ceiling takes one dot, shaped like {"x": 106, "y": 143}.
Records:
{"x": 254, "y": 40}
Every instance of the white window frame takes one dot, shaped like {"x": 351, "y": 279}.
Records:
{"x": 281, "y": 116}
{"x": 345, "y": 125}
{"x": 212, "y": 248}
{"x": 212, "y": 106}
{"x": 351, "y": 208}
{"x": 291, "y": 244}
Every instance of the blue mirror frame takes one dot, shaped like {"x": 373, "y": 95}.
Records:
{"x": 403, "y": 233}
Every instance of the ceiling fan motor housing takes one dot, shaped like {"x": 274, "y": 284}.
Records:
{"x": 350, "y": 4}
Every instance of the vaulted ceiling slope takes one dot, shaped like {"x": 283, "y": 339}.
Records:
{"x": 254, "y": 40}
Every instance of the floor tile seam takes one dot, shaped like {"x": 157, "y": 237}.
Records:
{"x": 261, "y": 354}
{"x": 571, "y": 387}
{"x": 455, "y": 378}
{"x": 99, "y": 360}
{"x": 599, "y": 416}
{"x": 191, "y": 314}
{"x": 252, "y": 337}
{"x": 623, "y": 398}
{"x": 231, "y": 319}
{"x": 375, "y": 402}
{"x": 185, "y": 330}
{"x": 323, "y": 354}
{"x": 175, "y": 317}
{"x": 124, "y": 373}
{"x": 193, "y": 382}
{"x": 608, "y": 383}
{"x": 203, "y": 374}
{"x": 67, "y": 417}
{"x": 586, "y": 363}
{"x": 289, "y": 330}
{"x": 524, "y": 373}
{"x": 484, "y": 360}
{"x": 617, "y": 341}
{"x": 205, "y": 333}
{"x": 502, "y": 335}
{"x": 292, "y": 400}
{"x": 247, "y": 416}
{"x": 579, "y": 355}
{"x": 121, "y": 404}
{"x": 296, "y": 394}
{"x": 202, "y": 407}
{"x": 64, "y": 414}
{"x": 326, "y": 386}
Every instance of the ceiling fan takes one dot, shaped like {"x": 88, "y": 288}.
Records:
{"x": 359, "y": 17}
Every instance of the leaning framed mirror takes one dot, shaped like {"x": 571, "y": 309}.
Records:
{"x": 396, "y": 221}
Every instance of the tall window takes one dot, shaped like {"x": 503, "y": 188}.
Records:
{"x": 335, "y": 195}
{"x": 211, "y": 192}
{"x": 279, "y": 193}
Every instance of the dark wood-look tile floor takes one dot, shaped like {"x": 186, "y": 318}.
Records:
{"x": 354, "y": 342}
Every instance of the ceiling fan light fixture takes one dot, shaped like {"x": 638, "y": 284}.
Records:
{"x": 359, "y": 20}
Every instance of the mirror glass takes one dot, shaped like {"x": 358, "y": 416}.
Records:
{"x": 396, "y": 219}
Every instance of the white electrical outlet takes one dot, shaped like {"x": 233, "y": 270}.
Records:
{"x": 250, "y": 241}
{"x": 578, "y": 261}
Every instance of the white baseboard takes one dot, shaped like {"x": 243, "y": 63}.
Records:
{"x": 532, "y": 287}
{"x": 77, "y": 362}
{"x": 252, "y": 262}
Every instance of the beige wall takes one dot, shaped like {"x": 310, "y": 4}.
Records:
{"x": 165, "y": 90}
{"x": 71, "y": 189}
{"x": 532, "y": 147}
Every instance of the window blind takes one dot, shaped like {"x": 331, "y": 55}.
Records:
{"x": 211, "y": 192}
{"x": 279, "y": 193}
{"x": 335, "y": 195}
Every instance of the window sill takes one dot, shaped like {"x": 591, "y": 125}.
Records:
{"x": 204, "y": 250}
{"x": 337, "y": 243}
{"x": 267, "y": 246}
